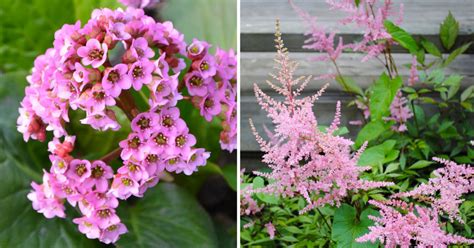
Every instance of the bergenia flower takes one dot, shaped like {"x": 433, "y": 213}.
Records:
{"x": 93, "y": 53}
{"x": 79, "y": 170}
{"x": 116, "y": 79}
{"x": 77, "y": 74}
{"x": 140, "y": 73}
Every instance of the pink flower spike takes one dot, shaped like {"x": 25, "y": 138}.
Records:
{"x": 93, "y": 53}
{"x": 116, "y": 79}
{"x": 270, "y": 230}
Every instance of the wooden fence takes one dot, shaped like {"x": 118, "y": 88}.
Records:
{"x": 257, "y": 53}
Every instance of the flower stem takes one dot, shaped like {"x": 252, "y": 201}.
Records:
{"x": 322, "y": 216}
{"x": 111, "y": 155}
{"x": 127, "y": 104}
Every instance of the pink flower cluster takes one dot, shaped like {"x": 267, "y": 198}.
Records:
{"x": 93, "y": 69}
{"x": 445, "y": 190}
{"x": 368, "y": 15}
{"x": 82, "y": 73}
{"x": 305, "y": 161}
{"x": 159, "y": 141}
{"x": 403, "y": 225}
{"x": 84, "y": 184}
{"x": 399, "y": 112}
{"x": 211, "y": 82}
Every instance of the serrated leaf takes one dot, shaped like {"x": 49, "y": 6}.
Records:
{"x": 431, "y": 48}
{"x": 401, "y": 36}
{"x": 456, "y": 53}
{"x": 448, "y": 31}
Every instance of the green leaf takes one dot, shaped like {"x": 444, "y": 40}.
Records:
{"x": 420, "y": 164}
{"x": 349, "y": 85}
{"x": 357, "y": 2}
{"x": 20, "y": 225}
{"x": 454, "y": 82}
{"x": 167, "y": 216}
{"x": 467, "y": 93}
{"x": 379, "y": 154}
{"x": 431, "y": 48}
{"x": 401, "y": 36}
{"x": 383, "y": 92}
{"x": 346, "y": 227}
{"x": 258, "y": 183}
{"x": 293, "y": 229}
{"x": 230, "y": 175}
{"x": 456, "y": 53}
{"x": 370, "y": 132}
{"x": 83, "y": 8}
{"x": 210, "y": 20}
{"x": 448, "y": 31}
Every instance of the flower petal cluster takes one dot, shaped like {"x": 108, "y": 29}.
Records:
{"x": 367, "y": 15}
{"x": 444, "y": 191}
{"x": 212, "y": 84}
{"x": 399, "y": 112}
{"x": 93, "y": 68}
{"x": 83, "y": 184}
{"x": 402, "y": 225}
{"x": 305, "y": 161}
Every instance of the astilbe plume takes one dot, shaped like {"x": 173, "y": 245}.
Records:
{"x": 399, "y": 112}
{"x": 80, "y": 73}
{"x": 368, "y": 15}
{"x": 402, "y": 224}
{"x": 445, "y": 190}
{"x": 305, "y": 161}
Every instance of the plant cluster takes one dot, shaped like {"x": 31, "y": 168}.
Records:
{"x": 93, "y": 69}
{"x": 404, "y": 127}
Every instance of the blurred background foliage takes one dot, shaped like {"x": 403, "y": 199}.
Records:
{"x": 192, "y": 211}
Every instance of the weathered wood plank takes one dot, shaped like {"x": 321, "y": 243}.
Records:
{"x": 256, "y": 66}
{"x": 250, "y": 42}
{"x": 420, "y": 17}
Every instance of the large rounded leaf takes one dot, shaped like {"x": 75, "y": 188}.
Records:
{"x": 167, "y": 216}
{"x": 20, "y": 225}
{"x": 346, "y": 227}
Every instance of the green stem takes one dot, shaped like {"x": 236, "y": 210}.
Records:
{"x": 322, "y": 216}
{"x": 414, "y": 117}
